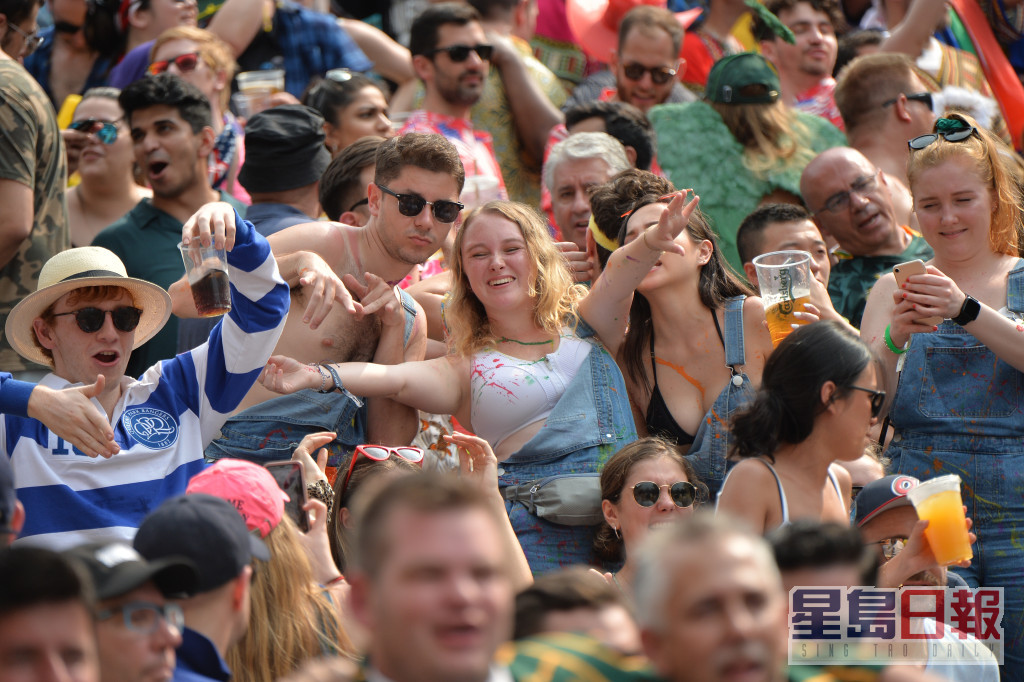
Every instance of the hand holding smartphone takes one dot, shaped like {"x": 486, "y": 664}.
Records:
{"x": 288, "y": 475}
{"x": 904, "y": 270}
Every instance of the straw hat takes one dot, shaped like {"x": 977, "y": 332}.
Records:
{"x": 88, "y": 266}
{"x": 595, "y": 23}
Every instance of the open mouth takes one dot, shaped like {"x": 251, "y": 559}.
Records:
{"x": 106, "y": 357}
{"x": 502, "y": 281}
{"x": 157, "y": 168}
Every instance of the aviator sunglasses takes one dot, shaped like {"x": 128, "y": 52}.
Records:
{"x": 90, "y": 320}
{"x": 659, "y": 74}
{"x": 184, "y": 62}
{"x": 411, "y": 206}
{"x": 105, "y": 131}
{"x": 460, "y": 53}
{"x": 683, "y": 493}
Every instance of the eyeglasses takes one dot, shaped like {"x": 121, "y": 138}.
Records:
{"x": 924, "y": 98}
{"x": 144, "y": 617}
{"x": 32, "y": 40}
{"x": 381, "y": 453}
{"x": 364, "y": 200}
{"x": 891, "y": 546}
{"x": 184, "y": 62}
{"x": 66, "y": 27}
{"x": 877, "y": 398}
{"x": 922, "y": 141}
{"x": 90, "y": 320}
{"x": 460, "y": 53}
{"x": 683, "y": 493}
{"x": 412, "y": 205}
{"x": 659, "y": 74}
{"x": 839, "y": 202}
{"x": 105, "y": 131}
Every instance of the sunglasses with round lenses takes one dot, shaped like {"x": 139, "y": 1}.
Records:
{"x": 144, "y": 617}
{"x": 683, "y": 493}
{"x": 411, "y": 205}
{"x": 877, "y": 399}
{"x": 105, "y": 131}
{"x": 659, "y": 74}
{"x": 381, "y": 453}
{"x": 922, "y": 141}
{"x": 90, "y": 320}
{"x": 460, "y": 53}
{"x": 184, "y": 62}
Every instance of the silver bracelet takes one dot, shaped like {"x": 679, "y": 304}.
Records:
{"x": 323, "y": 377}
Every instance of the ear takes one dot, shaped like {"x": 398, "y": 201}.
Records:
{"x": 207, "y": 138}
{"x": 611, "y": 513}
{"x": 359, "y": 599}
{"x": 423, "y": 66}
{"x": 631, "y": 156}
{"x": 330, "y": 138}
{"x": 345, "y": 516}
{"x": 351, "y": 218}
{"x": 653, "y": 647}
{"x": 220, "y": 80}
{"x": 375, "y": 196}
{"x": 768, "y": 50}
{"x": 139, "y": 18}
{"x": 681, "y": 69}
{"x": 751, "y": 272}
{"x": 43, "y": 333}
{"x": 3, "y": 21}
{"x": 828, "y": 396}
{"x": 704, "y": 251}
{"x": 900, "y": 107}
{"x": 240, "y": 591}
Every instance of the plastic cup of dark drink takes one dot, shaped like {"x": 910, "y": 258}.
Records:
{"x": 207, "y": 271}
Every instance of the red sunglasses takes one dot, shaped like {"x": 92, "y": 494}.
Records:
{"x": 184, "y": 62}
{"x": 381, "y": 453}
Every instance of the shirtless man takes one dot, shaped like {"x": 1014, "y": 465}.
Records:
{"x": 323, "y": 262}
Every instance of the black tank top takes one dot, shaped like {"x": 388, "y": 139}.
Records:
{"x": 659, "y": 419}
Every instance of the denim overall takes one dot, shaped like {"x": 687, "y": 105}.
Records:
{"x": 960, "y": 410}
{"x": 710, "y": 446}
{"x": 591, "y": 422}
{"x": 271, "y": 430}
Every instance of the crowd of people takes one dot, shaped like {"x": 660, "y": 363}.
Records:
{"x": 490, "y": 393}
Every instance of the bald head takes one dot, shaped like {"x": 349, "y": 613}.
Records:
{"x": 851, "y": 202}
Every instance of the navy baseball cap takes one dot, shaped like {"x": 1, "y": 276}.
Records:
{"x": 205, "y": 529}
{"x": 888, "y": 492}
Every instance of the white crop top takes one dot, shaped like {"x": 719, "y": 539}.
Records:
{"x": 510, "y": 393}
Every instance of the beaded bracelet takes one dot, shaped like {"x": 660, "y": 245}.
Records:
{"x": 320, "y": 490}
{"x": 891, "y": 345}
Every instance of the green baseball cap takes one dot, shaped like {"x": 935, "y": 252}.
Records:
{"x": 744, "y": 78}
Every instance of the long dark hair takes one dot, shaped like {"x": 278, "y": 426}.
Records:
{"x": 630, "y": 191}
{"x": 789, "y": 400}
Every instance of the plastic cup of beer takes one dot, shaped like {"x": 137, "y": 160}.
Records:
{"x": 784, "y": 278}
{"x": 255, "y": 89}
{"x": 207, "y": 271}
{"x": 938, "y": 501}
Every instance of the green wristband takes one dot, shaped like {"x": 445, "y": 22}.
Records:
{"x": 890, "y": 344}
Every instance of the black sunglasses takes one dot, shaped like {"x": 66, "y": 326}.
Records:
{"x": 922, "y": 141}
{"x": 683, "y": 493}
{"x": 66, "y": 27}
{"x": 90, "y": 320}
{"x": 460, "y": 53}
{"x": 924, "y": 98}
{"x": 411, "y": 205}
{"x": 659, "y": 74}
{"x": 877, "y": 398}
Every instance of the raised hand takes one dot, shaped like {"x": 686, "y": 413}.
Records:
{"x": 313, "y": 442}
{"x": 71, "y": 415}
{"x": 477, "y": 461}
{"x": 213, "y": 223}
{"x": 579, "y": 265}
{"x": 662, "y": 237}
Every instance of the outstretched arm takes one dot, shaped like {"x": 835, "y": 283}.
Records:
{"x": 606, "y": 307}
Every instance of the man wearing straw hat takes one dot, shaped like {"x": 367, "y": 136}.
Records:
{"x": 83, "y": 321}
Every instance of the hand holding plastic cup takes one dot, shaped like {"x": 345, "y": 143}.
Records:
{"x": 938, "y": 501}
{"x": 784, "y": 278}
{"x": 207, "y": 270}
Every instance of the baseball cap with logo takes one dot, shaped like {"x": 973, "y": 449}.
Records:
{"x": 250, "y": 488}
{"x": 888, "y": 492}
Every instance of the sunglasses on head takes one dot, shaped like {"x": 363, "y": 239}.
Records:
{"x": 877, "y": 399}
{"x": 411, "y": 205}
{"x": 381, "y": 453}
{"x": 924, "y": 98}
{"x": 90, "y": 320}
{"x": 683, "y": 493}
{"x": 105, "y": 131}
{"x": 958, "y": 135}
{"x": 659, "y": 74}
{"x": 184, "y": 62}
{"x": 460, "y": 53}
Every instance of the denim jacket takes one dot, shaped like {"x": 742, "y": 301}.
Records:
{"x": 591, "y": 422}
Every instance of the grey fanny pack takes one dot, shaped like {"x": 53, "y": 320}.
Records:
{"x": 568, "y": 499}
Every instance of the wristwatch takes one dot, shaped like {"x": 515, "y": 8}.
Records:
{"x": 968, "y": 311}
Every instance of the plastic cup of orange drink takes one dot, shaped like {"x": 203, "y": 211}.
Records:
{"x": 938, "y": 501}
{"x": 784, "y": 278}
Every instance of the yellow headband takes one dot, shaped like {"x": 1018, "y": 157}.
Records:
{"x": 599, "y": 236}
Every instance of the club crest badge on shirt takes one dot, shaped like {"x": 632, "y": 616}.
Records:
{"x": 153, "y": 428}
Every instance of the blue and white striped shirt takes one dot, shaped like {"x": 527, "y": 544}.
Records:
{"x": 162, "y": 423}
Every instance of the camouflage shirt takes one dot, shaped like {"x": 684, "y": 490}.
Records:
{"x": 32, "y": 153}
